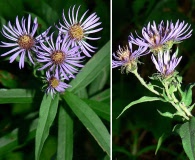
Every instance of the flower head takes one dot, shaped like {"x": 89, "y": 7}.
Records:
{"x": 127, "y": 58}
{"x": 166, "y": 64}
{"x": 23, "y": 39}
{"x": 179, "y": 32}
{"x": 78, "y": 30}
{"x": 55, "y": 84}
{"x": 154, "y": 36}
{"x": 60, "y": 57}
{"x": 162, "y": 37}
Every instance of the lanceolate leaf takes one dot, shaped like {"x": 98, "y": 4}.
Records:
{"x": 101, "y": 109}
{"x": 100, "y": 81}
{"x": 16, "y": 96}
{"x": 166, "y": 114}
{"x": 141, "y": 100}
{"x": 90, "y": 120}
{"x": 92, "y": 69}
{"x": 65, "y": 135}
{"x": 187, "y": 96}
{"x": 160, "y": 140}
{"x": 102, "y": 96}
{"x": 187, "y": 134}
{"x": 47, "y": 113}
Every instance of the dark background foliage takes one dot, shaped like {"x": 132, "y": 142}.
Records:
{"x": 49, "y": 12}
{"x": 136, "y": 132}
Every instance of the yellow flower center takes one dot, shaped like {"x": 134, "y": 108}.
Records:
{"x": 58, "y": 57}
{"x": 76, "y": 32}
{"x": 54, "y": 82}
{"x": 26, "y": 42}
{"x": 155, "y": 39}
{"x": 124, "y": 54}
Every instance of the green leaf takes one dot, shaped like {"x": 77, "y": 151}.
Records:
{"x": 141, "y": 100}
{"x": 101, "y": 109}
{"x": 91, "y": 70}
{"x": 47, "y": 11}
{"x": 49, "y": 149}
{"x": 160, "y": 140}
{"x": 100, "y": 81}
{"x": 7, "y": 79}
{"x": 90, "y": 120}
{"x": 65, "y": 135}
{"x": 82, "y": 93}
{"x": 47, "y": 113}
{"x": 187, "y": 134}
{"x": 106, "y": 157}
{"x": 187, "y": 96}
{"x": 166, "y": 114}
{"x": 102, "y": 96}
{"x": 16, "y": 96}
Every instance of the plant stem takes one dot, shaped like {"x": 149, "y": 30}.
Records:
{"x": 144, "y": 83}
{"x": 178, "y": 106}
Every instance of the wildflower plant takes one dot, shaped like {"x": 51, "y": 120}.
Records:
{"x": 166, "y": 85}
{"x": 57, "y": 57}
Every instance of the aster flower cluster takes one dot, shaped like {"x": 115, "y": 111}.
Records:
{"x": 59, "y": 56}
{"x": 158, "y": 40}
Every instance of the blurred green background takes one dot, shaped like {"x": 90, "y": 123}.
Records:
{"x": 21, "y": 116}
{"x": 136, "y": 132}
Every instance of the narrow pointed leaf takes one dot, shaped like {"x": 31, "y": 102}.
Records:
{"x": 160, "y": 140}
{"x": 102, "y": 96}
{"x": 90, "y": 120}
{"x": 65, "y": 135}
{"x": 16, "y": 96}
{"x": 166, "y": 114}
{"x": 187, "y": 96}
{"x": 101, "y": 109}
{"x": 91, "y": 70}
{"x": 47, "y": 113}
{"x": 99, "y": 82}
{"x": 141, "y": 100}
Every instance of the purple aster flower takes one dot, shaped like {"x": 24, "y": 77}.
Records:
{"x": 78, "y": 30}
{"x": 55, "y": 84}
{"x": 60, "y": 57}
{"x": 154, "y": 36}
{"x": 161, "y": 37}
{"x": 127, "y": 58}
{"x": 24, "y": 39}
{"x": 165, "y": 64}
{"x": 179, "y": 32}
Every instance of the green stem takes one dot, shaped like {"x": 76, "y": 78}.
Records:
{"x": 174, "y": 101}
{"x": 144, "y": 83}
{"x": 184, "y": 108}
{"x": 179, "y": 110}
{"x": 167, "y": 91}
